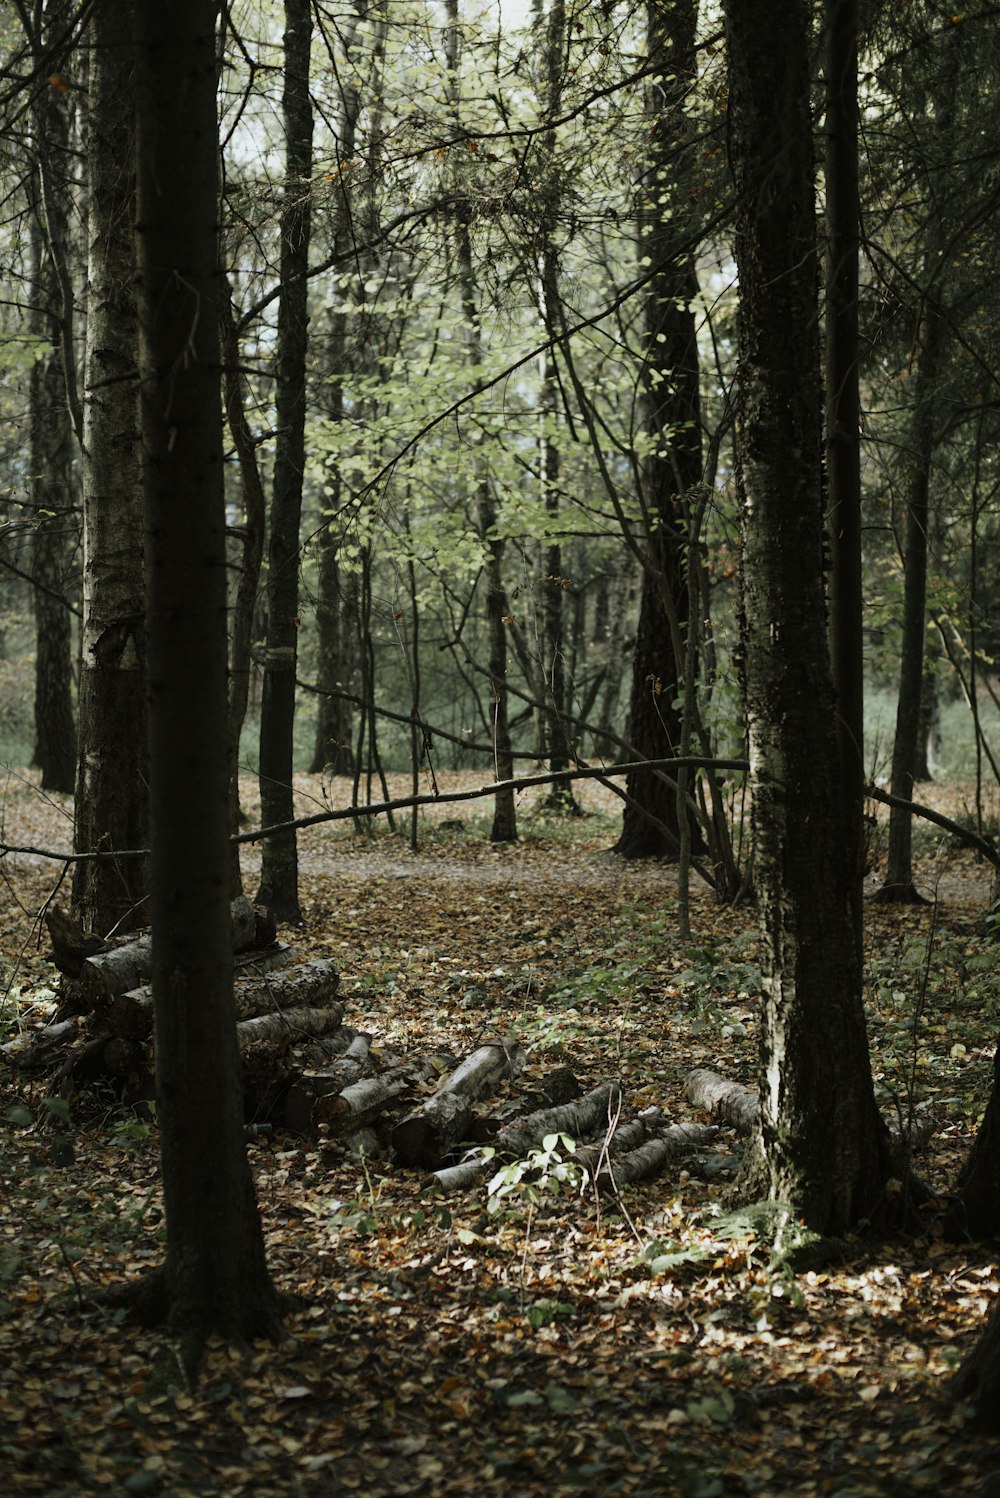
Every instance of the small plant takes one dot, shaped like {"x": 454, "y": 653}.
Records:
{"x": 544, "y": 1172}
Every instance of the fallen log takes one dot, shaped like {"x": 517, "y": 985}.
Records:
{"x": 120, "y": 969}
{"x": 304, "y": 1093}
{"x": 737, "y": 1106}
{"x": 362, "y": 1103}
{"x": 645, "y": 1161}
{"x": 32, "y": 1050}
{"x": 577, "y": 1120}
{"x": 289, "y": 1023}
{"x": 71, "y": 945}
{"x": 311, "y": 985}
{"x": 433, "y": 1130}
{"x": 728, "y": 1101}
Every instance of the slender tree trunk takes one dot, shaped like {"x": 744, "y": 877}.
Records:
{"x": 818, "y": 1147}
{"x": 112, "y": 789}
{"x": 672, "y": 419}
{"x": 504, "y": 828}
{"x": 214, "y": 1279}
{"x": 248, "y": 580}
{"x": 556, "y": 745}
{"x": 333, "y": 749}
{"x": 52, "y": 443}
{"x": 843, "y": 428}
{"x": 279, "y": 880}
{"x": 898, "y": 885}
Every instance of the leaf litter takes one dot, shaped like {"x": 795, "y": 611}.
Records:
{"x": 559, "y": 1345}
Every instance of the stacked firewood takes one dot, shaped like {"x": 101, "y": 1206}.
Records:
{"x": 310, "y": 1074}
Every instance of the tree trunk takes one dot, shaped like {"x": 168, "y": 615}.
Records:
{"x": 333, "y": 750}
{"x": 975, "y": 1211}
{"x": 279, "y": 879}
{"x": 843, "y": 428}
{"x": 112, "y": 787}
{"x": 51, "y": 436}
{"x": 821, "y": 1149}
{"x": 504, "y": 829}
{"x": 672, "y": 421}
{"x": 214, "y": 1279}
{"x": 898, "y": 885}
{"x": 978, "y": 1379}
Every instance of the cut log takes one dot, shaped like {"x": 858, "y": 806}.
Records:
{"x": 311, "y": 985}
{"x": 737, "y": 1106}
{"x": 591, "y": 1112}
{"x": 123, "y": 968}
{"x": 668, "y": 1146}
{"x": 32, "y": 1050}
{"x": 289, "y": 1024}
{"x": 304, "y": 1093}
{"x": 728, "y": 1101}
{"x": 71, "y": 945}
{"x": 362, "y": 1103}
{"x": 578, "y": 1119}
{"x": 433, "y": 1130}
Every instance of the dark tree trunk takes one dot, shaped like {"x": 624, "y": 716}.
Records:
{"x": 333, "y": 750}
{"x": 279, "y": 880}
{"x": 556, "y": 745}
{"x": 214, "y": 1279}
{"x": 978, "y": 1379}
{"x": 112, "y": 789}
{"x": 975, "y": 1210}
{"x": 672, "y": 419}
{"x": 52, "y": 477}
{"x": 821, "y": 1149}
{"x": 898, "y": 885}
{"x": 843, "y": 428}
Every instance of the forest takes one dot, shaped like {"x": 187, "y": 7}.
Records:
{"x": 498, "y": 723}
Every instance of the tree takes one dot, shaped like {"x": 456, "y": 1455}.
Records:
{"x": 925, "y": 423}
{"x": 214, "y": 1278}
{"x": 279, "y": 879}
{"x": 672, "y": 415}
{"x": 112, "y": 787}
{"x": 843, "y": 425}
{"x": 52, "y": 438}
{"x": 819, "y": 1143}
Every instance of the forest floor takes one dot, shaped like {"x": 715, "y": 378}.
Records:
{"x": 568, "y": 1346}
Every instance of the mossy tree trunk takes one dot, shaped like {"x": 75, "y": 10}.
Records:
{"x": 820, "y": 1147}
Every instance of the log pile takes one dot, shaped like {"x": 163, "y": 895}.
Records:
{"x": 307, "y": 1072}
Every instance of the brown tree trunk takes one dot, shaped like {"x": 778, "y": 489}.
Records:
{"x": 214, "y": 1278}
{"x": 821, "y": 1149}
{"x": 279, "y": 878}
{"x": 112, "y": 789}
{"x": 672, "y": 420}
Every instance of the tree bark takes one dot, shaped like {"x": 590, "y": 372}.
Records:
{"x": 843, "y": 427}
{"x": 672, "y": 421}
{"x": 112, "y": 787}
{"x": 898, "y": 886}
{"x": 214, "y": 1279}
{"x": 504, "y": 829}
{"x": 279, "y": 879}
{"x": 52, "y": 478}
{"x": 822, "y": 1149}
